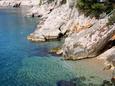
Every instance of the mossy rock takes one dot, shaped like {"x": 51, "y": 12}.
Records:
{"x": 55, "y": 50}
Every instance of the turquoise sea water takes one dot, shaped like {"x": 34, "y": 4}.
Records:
{"x": 23, "y": 63}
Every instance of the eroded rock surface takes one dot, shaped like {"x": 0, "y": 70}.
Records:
{"x": 59, "y": 19}
{"x": 109, "y": 57}
{"x": 54, "y": 21}
{"x": 88, "y": 43}
{"x": 18, "y": 3}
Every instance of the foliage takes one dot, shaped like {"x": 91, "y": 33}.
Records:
{"x": 49, "y": 1}
{"x": 94, "y": 8}
{"x": 111, "y": 20}
{"x": 63, "y": 2}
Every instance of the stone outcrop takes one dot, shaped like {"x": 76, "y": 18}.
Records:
{"x": 88, "y": 43}
{"x": 58, "y": 19}
{"x": 109, "y": 57}
{"x": 54, "y": 21}
{"x": 50, "y": 29}
{"x": 45, "y": 7}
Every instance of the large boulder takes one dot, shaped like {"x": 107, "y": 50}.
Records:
{"x": 88, "y": 43}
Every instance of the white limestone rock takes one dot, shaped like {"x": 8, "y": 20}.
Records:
{"x": 44, "y": 7}
{"x": 88, "y": 43}
{"x": 51, "y": 27}
{"x": 109, "y": 57}
{"x": 55, "y": 21}
{"x": 4, "y": 3}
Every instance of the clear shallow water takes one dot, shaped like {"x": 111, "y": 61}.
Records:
{"x": 23, "y": 63}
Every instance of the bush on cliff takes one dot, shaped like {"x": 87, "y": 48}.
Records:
{"x": 93, "y": 7}
{"x": 49, "y": 1}
{"x": 62, "y": 2}
{"x": 111, "y": 19}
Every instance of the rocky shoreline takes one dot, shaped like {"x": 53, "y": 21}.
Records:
{"x": 86, "y": 37}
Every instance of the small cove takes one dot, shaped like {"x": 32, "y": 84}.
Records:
{"x": 23, "y": 63}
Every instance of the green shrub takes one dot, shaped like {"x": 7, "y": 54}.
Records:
{"x": 63, "y": 2}
{"x": 49, "y": 1}
{"x": 98, "y": 6}
{"x": 93, "y": 8}
{"x": 111, "y": 20}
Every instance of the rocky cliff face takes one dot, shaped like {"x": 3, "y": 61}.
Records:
{"x": 44, "y": 8}
{"x": 19, "y": 3}
{"x": 57, "y": 18}
{"x": 88, "y": 43}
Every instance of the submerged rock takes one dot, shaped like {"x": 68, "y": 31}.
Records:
{"x": 57, "y": 51}
{"x": 106, "y": 83}
{"x": 65, "y": 83}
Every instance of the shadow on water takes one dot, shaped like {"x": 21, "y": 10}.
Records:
{"x": 81, "y": 81}
{"x": 40, "y": 52}
{"x": 43, "y": 51}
